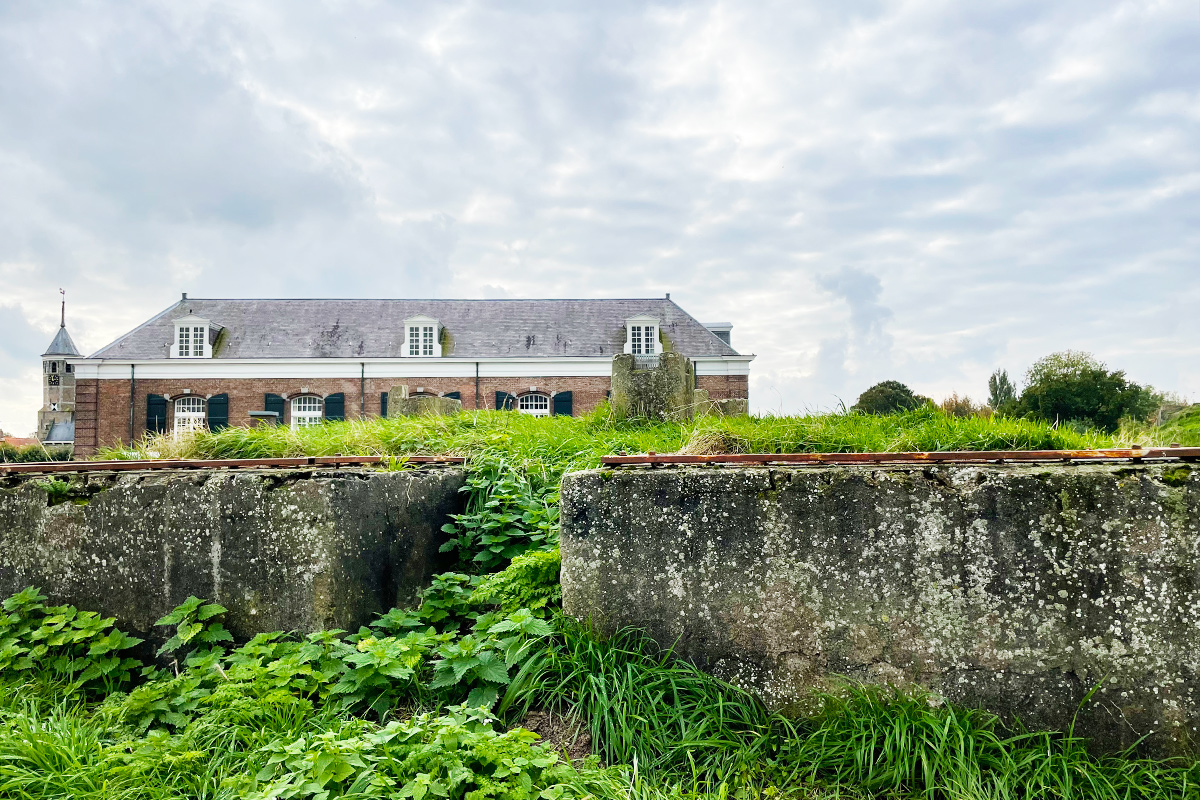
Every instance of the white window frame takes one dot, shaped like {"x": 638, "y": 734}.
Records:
{"x": 307, "y": 410}
{"x": 422, "y": 337}
{"x": 191, "y": 414}
{"x": 535, "y": 404}
{"x": 641, "y": 336}
{"x": 191, "y": 338}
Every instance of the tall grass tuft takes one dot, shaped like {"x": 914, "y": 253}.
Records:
{"x": 642, "y": 705}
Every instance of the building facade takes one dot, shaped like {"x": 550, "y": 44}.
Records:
{"x": 215, "y": 362}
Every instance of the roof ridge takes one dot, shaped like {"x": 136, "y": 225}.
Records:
{"x": 437, "y": 299}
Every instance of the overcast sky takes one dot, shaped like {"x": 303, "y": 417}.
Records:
{"x": 922, "y": 190}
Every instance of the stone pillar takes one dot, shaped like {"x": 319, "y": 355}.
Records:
{"x": 654, "y": 387}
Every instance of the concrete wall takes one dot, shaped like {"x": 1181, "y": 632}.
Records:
{"x": 1015, "y": 588}
{"x": 282, "y": 549}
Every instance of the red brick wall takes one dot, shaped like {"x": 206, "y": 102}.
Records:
{"x": 102, "y": 410}
{"x": 102, "y": 415}
{"x": 725, "y": 387}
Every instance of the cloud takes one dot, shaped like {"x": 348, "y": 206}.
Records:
{"x": 1003, "y": 180}
{"x": 861, "y": 290}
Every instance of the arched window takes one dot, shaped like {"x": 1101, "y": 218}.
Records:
{"x": 534, "y": 403}
{"x": 189, "y": 415}
{"x": 307, "y": 410}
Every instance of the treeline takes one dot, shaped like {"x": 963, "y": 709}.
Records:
{"x": 1070, "y": 387}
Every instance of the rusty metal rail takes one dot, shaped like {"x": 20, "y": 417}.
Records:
{"x": 217, "y": 463}
{"x": 949, "y": 457}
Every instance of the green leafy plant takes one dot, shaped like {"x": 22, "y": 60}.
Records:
{"x": 62, "y": 644}
{"x": 381, "y": 673}
{"x": 191, "y": 619}
{"x": 445, "y": 604}
{"x": 57, "y": 491}
{"x": 506, "y": 515}
{"x": 530, "y": 581}
{"x": 454, "y": 756}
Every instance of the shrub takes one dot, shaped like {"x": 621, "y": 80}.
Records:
{"x": 888, "y": 397}
{"x": 964, "y": 406}
{"x": 1071, "y": 385}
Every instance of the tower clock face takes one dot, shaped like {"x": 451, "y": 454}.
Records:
{"x": 54, "y": 406}
{"x": 54, "y": 380}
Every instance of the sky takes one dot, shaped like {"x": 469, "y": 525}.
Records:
{"x": 923, "y": 191}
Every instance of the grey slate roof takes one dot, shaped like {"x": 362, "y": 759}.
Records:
{"x": 62, "y": 344}
{"x": 61, "y": 432}
{"x": 375, "y": 328}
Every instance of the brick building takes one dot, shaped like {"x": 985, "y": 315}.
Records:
{"x": 212, "y": 363}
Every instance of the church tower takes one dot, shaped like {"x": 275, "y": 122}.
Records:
{"x": 56, "y": 420}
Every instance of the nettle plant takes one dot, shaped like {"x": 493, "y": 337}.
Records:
{"x": 191, "y": 619}
{"x": 506, "y": 515}
{"x": 63, "y": 645}
{"x": 454, "y": 756}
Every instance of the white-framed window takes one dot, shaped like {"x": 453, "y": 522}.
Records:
{"x": 535, "y": 404}
{"x": 642, "y": 336}
{"x": 307, "y": 410}
{"x": 191, "y": 338}
{"x": 189, "y": 415}
{"x": 421, "y": 338}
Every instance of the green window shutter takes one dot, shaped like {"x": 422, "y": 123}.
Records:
{"x": 562, "y": 405}
{"x": 505, "y": 401}
{"x": 156, "y": 413}
{"x": 274, "y": 402}
{"x": 383, "y": 404}
{"x": 218, "y": 412}
{"x": 335, "y": 406}
{"x": 453, "y": 395}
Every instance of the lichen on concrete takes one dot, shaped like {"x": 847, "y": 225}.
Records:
{"x": 1014, "y": 588}
{"x": 281, "y": 549}
{"x": 660, "y": 392}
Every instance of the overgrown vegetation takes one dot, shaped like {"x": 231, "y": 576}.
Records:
{"x": 32, "y": 453}
{"x": 427, "y": 702}
{"x": 541, "y": 449}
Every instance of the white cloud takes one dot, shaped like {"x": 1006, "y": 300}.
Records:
{"x": 1016, "y": 178}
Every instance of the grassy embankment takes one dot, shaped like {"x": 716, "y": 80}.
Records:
{"x": 378, "y": 713}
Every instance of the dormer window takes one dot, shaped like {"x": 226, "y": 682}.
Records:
{"x": 191, "y": 338}
{"x": 422, "y": 338}
{"x": 641, "y": 335}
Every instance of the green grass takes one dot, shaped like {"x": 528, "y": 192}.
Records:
{"x": 555, "y": 444}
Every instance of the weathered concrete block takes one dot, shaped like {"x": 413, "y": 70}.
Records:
{"x": 424, "y": 406}
{"x": 660, "y": 389}
{"x": 281, "y": 549}
{"x": 1014, "y": 588}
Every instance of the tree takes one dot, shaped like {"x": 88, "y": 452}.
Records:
{"x": 1001, "y": 391}
{"x": 1073, "y": 385}
{"x": 888, "y": 397}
